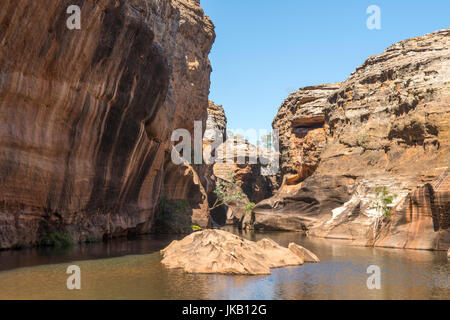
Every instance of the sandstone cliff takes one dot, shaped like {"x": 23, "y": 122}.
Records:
{"x": 86, "y": 115}
{"x": 387, "y": 125}
{"x": 249, "y": 175}
{"x": 300, "y": 122}
{"x": 248, "y": 172}
{"x": 216, "y": 123}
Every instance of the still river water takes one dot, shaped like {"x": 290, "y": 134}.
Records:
{"x": 131, "y": 269}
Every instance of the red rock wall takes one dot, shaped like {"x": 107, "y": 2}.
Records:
{"x": 421, "y": 220}
{"x": 387, "y": 125}
{"x": 85, "y": 115}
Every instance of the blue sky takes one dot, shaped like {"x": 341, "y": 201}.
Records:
{"x": 266, "y": 49}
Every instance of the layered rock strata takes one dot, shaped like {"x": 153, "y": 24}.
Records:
{"x": 386, "y": 126}
{"x": 86, "y": 115}
{"x": 225, "y": 158}
{"x": 216, "y": 123}
{"x": 300, "y": 122}
{"x": 249, "y": 167}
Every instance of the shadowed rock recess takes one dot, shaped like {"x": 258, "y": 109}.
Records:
{"x": 248, "y": 164}
{"x": 386, "y": 126}
{"x": 86, "y": 115}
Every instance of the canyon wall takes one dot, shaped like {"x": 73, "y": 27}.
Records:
{"x": 232, "y": 159}
{"x": 216, "y": 124}
{"x": 86, "y": 115}
{"x": 386, "y": 127}
{"x": 245, "y": 165}
{"x": 300, "y": 122}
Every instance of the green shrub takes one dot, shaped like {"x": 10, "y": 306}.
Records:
{"x": 249, "y": 207}
{"x": 228, "y": 192}
{"x": 384, "y": 199}
{"x": 92, "y": 240}
{"x": 362, "y": 141}
{"x": 56, "y": 239}
{"x": 173, "y": 216}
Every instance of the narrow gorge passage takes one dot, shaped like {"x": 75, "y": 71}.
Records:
{"x": 214, "y": 150}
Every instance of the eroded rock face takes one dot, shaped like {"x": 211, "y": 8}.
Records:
{"x": 300, "y": 121}
{"x": 218, "y": 251}
{"x": 250, "y": 166}
{"x": 86, "y": 114}
{"x": 310, "y": 205}
{"x": 421, "y": 219}
{"x": 387, "y": 125}
{"x": 216, "y": 123}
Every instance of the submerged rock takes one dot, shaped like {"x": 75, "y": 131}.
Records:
{"x": 306, "y": 255}
{"x": 218, "y": 251}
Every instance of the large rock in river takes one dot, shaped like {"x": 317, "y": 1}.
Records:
{"x": 218, "y": 251}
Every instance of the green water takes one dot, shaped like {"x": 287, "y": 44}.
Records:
{"x": 341, "y": 274}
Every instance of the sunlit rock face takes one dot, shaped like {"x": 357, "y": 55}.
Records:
{"x": 250, "y": 167}
{"x": 233, "y": 157}
{"x": 300, "y": 121}
{"x": 216, "y": 123}
{"x": 387, "y": 125}
{"x": 86, "y": 115}
{"x": 422, "y": 218}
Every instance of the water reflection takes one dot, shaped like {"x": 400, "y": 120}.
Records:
{"x": 10, "y": 259}
{"x": 341, "y": 274}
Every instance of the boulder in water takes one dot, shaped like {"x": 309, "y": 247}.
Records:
{"x": 218, "y": 251}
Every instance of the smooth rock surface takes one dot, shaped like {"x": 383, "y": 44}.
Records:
{"x": 218, "y": 251}
{"x": 86, "y": 115}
